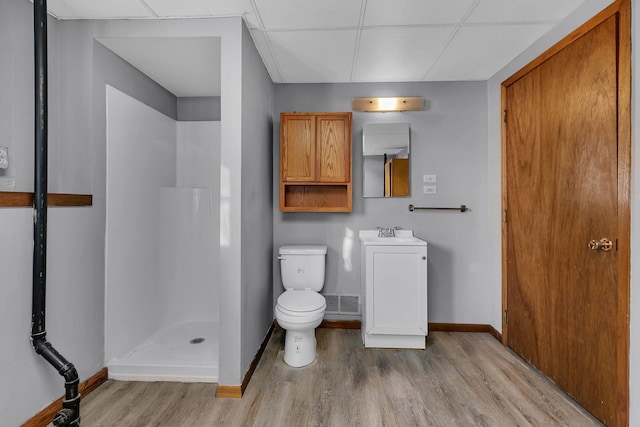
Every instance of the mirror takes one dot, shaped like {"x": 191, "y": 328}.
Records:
{"x": 385, "y": 150}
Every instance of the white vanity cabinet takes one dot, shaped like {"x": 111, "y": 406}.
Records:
{"x": 394, "y": 289}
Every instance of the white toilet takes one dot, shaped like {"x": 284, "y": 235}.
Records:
{"x": 300, "y": 309}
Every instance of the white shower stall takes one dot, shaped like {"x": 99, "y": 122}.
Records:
{"x": 162, "y": 245}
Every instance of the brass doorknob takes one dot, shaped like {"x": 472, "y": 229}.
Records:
{"x": 604, "y": 245}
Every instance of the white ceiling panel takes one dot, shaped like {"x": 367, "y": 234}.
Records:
{"x": 522, "y": 10}
{"x": 185, "y": 66}
{"x": 202, "y": 8}
{"x": 478, "y": 52}
{"x": 304, "y": 14}
{"x": 415, "y": 12}
{"x": 98, "y": 9}
{"x": 399, "y": 53}
{"x": 314, "y": 56}
{"x": 329, "y": 41}
{"x": 199, "y": 7}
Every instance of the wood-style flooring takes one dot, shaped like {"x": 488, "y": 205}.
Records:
{"x": 461, "y": 379}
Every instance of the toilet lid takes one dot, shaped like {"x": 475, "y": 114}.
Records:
{"x": 301, "y": 300}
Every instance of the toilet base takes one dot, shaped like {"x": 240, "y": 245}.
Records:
{"x": 300, "y": 347}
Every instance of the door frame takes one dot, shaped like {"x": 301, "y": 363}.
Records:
{"x": 621, "y": 8}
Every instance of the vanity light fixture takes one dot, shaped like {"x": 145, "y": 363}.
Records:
{"x": 405, "y": 103}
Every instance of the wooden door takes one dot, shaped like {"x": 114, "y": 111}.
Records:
{"x": 399, "y": 177}
{"x": 333, "y": 141}
{"x": 387, "y": 179}
{"x": 566, "y": 185}
{"x": 298, "y": 147}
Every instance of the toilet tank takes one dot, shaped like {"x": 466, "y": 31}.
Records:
{"x": 302, "y": 266}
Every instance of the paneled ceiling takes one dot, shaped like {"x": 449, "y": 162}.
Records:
{"x": 319, "y": 41}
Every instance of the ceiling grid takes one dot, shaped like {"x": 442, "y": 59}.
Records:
{"x": 346, "y": 41}
{"x": 363, "y": 10}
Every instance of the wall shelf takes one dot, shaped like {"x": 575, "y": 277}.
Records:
{"x": 14, "y": 199}
{"x": 316, "y": 197}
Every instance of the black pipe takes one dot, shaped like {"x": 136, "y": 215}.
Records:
{"x": 70, "y": 413}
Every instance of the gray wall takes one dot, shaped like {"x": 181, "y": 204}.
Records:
{"x": 110, "y": 69}
{"x": 448, "y": 138}
{"x": 257, "y": 195}
{"x": 16, "y": 100}
{"x": 75, "y": 262}
{"x": 199, "y": 109}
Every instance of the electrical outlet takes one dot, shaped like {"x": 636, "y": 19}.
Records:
{"x": 4, "y": 157}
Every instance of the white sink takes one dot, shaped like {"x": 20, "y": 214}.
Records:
{"x": 402, "y": 238}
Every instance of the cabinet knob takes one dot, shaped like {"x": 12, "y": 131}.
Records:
{"x": 424, "y": 257}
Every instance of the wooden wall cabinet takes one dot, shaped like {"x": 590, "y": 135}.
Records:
{"x": 315, "y": 162}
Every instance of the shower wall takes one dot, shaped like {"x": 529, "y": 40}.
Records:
{"x": 140, "y": 159}
{"x": 185, "y": 285}
{"x": 161, "y": 247}
{"x": 189, "y": 231}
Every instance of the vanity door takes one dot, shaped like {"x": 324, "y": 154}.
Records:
{"x": 396, "y": 282}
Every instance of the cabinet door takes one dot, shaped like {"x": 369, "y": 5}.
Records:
{"x": 297, "y": 147}
{"x": 396, "y": 290}
{"x": 333, "y": 162}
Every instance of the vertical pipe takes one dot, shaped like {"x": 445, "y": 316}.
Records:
{"x": 70, "y": 413}
{"x": 40, "y": 170}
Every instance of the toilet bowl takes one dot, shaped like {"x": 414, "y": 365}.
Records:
{"x": 300, "y": 309}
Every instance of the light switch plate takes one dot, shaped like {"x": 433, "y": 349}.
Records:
{"x": 429, "y": 189}
{"x": 429, "y": 178}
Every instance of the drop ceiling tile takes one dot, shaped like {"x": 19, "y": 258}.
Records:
{"x": 306, "y": 14}
{"x": 98, "y": 9}
{"x": 314, "y": 56}
{"x": 522, "y": 10}
{"x": 175, "y": 63}
{"x": 477, "y": 52}
{"x": 173, "y": 8}
{"x": 399, "y": 53}
{"x": 415, "y": 12}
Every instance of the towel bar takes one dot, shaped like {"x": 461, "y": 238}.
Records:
{"x": 462, "y": 208}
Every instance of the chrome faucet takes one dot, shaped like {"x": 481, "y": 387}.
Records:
{"x": 387, "y": 231}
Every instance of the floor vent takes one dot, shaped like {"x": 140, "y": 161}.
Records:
{"x": 342, "y": 304}
{"x": 332, "y": 303}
